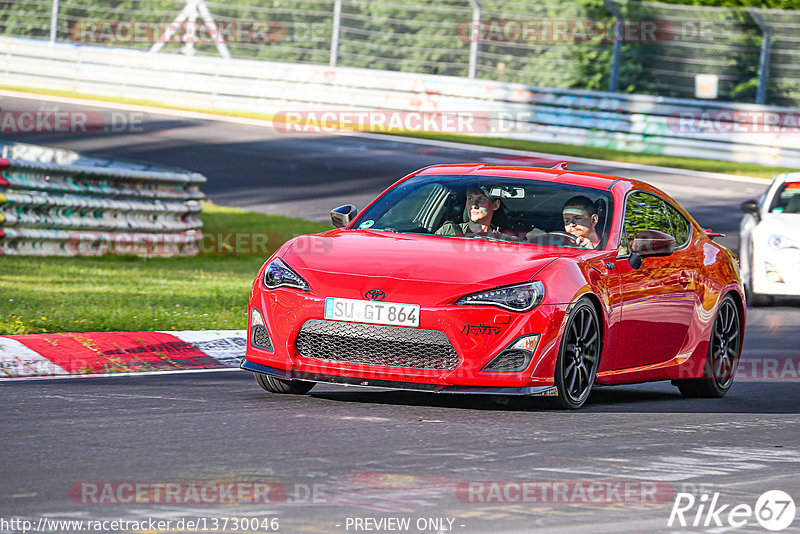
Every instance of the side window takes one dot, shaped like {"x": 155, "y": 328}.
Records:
{"x": 680, "y": 226}
{"x": 643, "y": 211}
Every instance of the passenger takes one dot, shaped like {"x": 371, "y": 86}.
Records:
{"x": 580, "y": 220}
{"x": 481, "y": 210}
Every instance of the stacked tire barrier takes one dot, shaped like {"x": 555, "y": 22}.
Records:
{"x": 57, "y": 202}
{"x": 743, "y": 133}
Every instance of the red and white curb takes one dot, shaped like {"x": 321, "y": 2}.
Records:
{"x": 119, "y": 353}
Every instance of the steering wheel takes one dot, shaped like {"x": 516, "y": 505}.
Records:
{"x": 572, "y": 239}
{"x": 496, "y": 236}
{"x": 558, "y": 238}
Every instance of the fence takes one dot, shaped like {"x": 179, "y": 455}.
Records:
{"x": 57, "y": 202}
{"x": 641, "y": 123}
{"x": 614, "y": 45}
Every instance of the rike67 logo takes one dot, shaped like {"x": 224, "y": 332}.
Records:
{"x": 774, "y": 510}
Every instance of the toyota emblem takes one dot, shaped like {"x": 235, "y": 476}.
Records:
{"x": 375, "y": 294}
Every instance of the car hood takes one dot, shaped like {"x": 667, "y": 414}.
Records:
{"x": 412, "y": 268}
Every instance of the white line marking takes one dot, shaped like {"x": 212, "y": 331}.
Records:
{"x": 105, "y": 375}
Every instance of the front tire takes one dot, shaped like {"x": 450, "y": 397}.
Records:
{"x": 723, "y": 355}
{"x": 280, "y": 386}
{"x": 578, "y": 358}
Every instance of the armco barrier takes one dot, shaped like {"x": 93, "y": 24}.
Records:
{"x": 713, "y": 130}
{"x": 57, "y": 202}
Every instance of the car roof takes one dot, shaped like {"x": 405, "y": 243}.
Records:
{"x": 788, "y": 177}
{"x": 563, "y": 176}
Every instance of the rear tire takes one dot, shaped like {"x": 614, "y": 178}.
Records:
{"x": 277, "y": 385}
{"x": 578, "y": 358}
{"x": 723, "y": 355}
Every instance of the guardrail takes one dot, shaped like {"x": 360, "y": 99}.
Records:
{"x": 745, "y": 133}
{"x": 58, "y": 202}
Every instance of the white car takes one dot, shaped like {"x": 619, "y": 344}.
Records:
{"x": 770, "y": 242}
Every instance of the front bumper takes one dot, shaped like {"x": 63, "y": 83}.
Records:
{"x": 541, "y": 391}
{"x": 286, "y": 311}
{"x": 783, "y": 263}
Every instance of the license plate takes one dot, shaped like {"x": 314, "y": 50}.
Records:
{"x": 368, "y": 311}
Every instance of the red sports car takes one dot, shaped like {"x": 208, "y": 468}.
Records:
{"x": 501, "y": 280}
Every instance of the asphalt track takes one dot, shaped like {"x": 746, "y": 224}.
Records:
{"x": 379, "y": 454}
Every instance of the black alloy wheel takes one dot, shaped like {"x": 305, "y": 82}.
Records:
{"x": 579, "y": 357}
{"x": 723, "y": 355}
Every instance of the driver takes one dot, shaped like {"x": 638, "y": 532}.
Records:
{"x": 580, "y": 220}
{"x": 481, "y": 210}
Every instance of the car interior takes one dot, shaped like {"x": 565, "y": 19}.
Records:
{"x": 525, "y": 206}
{"x": 788, "y": 201}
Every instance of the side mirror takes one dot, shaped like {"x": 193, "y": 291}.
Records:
{"x": 751, "y": 207}
{"x": 650, "y": 243}
{"x": 341, "y": 216}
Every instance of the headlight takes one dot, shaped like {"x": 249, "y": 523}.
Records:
{"x": 278, "y": 274}
{"x": 780, "y": 241}
{"x": 519, "y": 298}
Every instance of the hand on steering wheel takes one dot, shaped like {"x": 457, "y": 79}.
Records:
{"x": 497, "y": 236}
{"x": 579, "y": 241}
{"x": 573, "y": 239}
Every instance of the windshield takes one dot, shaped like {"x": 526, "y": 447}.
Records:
{"x": 494, "y": 208}
{"x": 788, "y": 199}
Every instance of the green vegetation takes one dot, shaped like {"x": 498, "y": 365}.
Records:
{"x": 126, "y": 293}
{"x": 433, "y": 38}
{"x": 767, "y": 4}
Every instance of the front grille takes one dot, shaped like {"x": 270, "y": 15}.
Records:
{"x": 509, "y": 361}
{"x": 366, "y": 344}
{"x": 260, "y": 338}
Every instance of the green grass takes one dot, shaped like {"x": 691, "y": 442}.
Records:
{"x": 126, "y": 293}
{"x": 694, "y": 164}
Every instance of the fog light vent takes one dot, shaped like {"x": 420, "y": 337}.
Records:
{"x": 515, "y": 358}
{"x": 259, "y": 337}
{"x": 509, "y": 361}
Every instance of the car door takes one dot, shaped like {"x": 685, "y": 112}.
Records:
{"x": 658, "y": 299}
